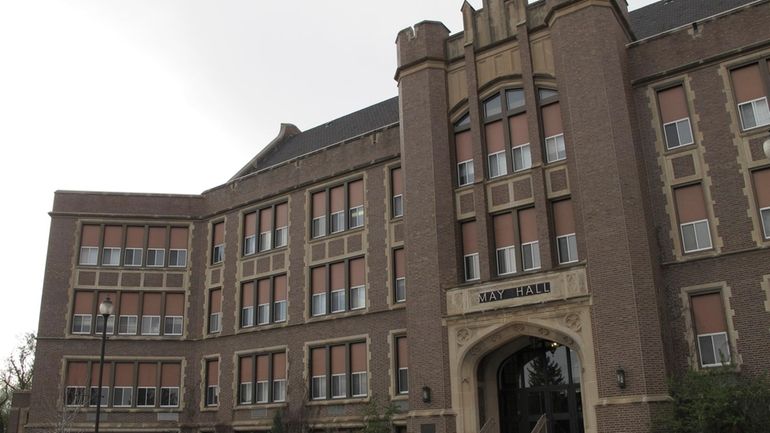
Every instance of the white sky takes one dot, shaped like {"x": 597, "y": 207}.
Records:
{"x": 169, "y": 96}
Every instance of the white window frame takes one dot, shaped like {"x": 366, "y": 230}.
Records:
{"x": 520, "y": 149}
{"x": 398, "y": 206}
{"x": 281, "y": 236}
{"x": 179, "y": 253}
{"x": 678, "y": 135}
{"x": 695, "y": 236}
{"x": 400, "y": 287}
{"x": 336, "y": 293}
{"x": 318, "y": 227}
{"x": 246, "y": 314}
{"x": 218, "y": 254}
{"x": 265, "y": 241}
{"x": 754, "y": 103}
{"x": 171, "y": 390}
{"x": 151, "y": 320}
{"x": 500, "y": 164}
{"x": 318, "y": 387}
{"x": 534, "y": 250}
{"x": 356, "y": 217}
{"x": 337, "y": 222}
{"x": 110, "y": 324}
{"x": 400, "y": 382}
{"x": 279, "y": 390}
{"x": 279, "y": 311}
{"x": 356, "y": 293}
{"x": 132, "y": 322}
{"x": 469, "y": 175}
{"x": 561, "y": 148}
{"x": 133, "y": 252}
{"x": 571, "y": 240}
{"x": 341, "y": 381}
{"x": 89, "y": 256}
{"x": 156, "y": 253}
{"x": 714, "y": 348}
{"x": 104, "y": 395}
{"x": 509, "y": 254}
{"x": 363, "y": 382}
{"x": 113, "y": 261}
{"x": 765, "y": 227}
{"x": 471, "y": 267}
{"x": 249, "y": 245}
{"x": 83, "y": 323}
{"x": 245, "y": 392}
{"x": 146, "y": 388}
{"x": 263, "y": 314}
{"x": 212, "y": 395}
{"x": 215, "y": 323}
{"x": 79, "y": 393}
{"x": 263, "y": 391}
{"x": 123, "y": 391}
{"x": 318, "y": 304}
{"x": 173, "y": 320}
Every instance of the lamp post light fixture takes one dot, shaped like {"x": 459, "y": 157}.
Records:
{"x": 426, "y": 394}
{"x": 105, "y": 309}
{"x": 621, "y": 377}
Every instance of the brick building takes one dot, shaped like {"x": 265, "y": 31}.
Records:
{"x": 561, "y": 194}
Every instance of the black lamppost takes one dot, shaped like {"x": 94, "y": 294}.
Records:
{"x": 105, "y": 309}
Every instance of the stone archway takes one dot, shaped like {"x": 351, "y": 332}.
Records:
{"x": 471, "y": 340}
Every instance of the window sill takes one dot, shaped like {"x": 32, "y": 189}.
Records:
{"x": 114, "y": 337}
{"x": 336, "y": 235}
{"x": 266, "y": 327}
{"x": 261, "y": 406}
{"x": 754, "y": 132}
{"x": 336, "y": 401}
{"x": 264, "y": 253}
{"x": 133, "y": 268}
{"x": 87, "y": 409}
{"x": 340, "y": 315}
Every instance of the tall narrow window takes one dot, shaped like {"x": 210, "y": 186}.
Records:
{"x": 530, "y": 245}
{"x": 113, "y": 239}
{"x": 246, "y": 385}
{"x": 76, "y": 382}
{"x": 247, "y": 304}
{"x": 693, "y": 218}
{"x": 174, "y": 318}
{"x": 356, "y": 204}
{"x": 470, "y": 251}
{"x": 218, "y": 246}
{"x": 338, "y": 292}
{"x": 357, "y": 282}
{"x": 279, "y": 298}
{"x": 170, "y": 378}
{"x": 122, "y": 392}
{"x": 337, "y": 212}
{"x": 82, "y": 314}
{"x": 319, "y": 214}
{"x": 464, "y": 153}
{"x": 318, "y": 291}
{"x": 359, "y": 382}
{"x": 281, "y": 225}
{"x": 134, "y": 246}
{"x": 522, "y": 157}
{"x": 212, "y": 382}
{"x": 265, "y": 229}
{"x": 178, "y": 254}
{"x": 151, "y": 313}
{"x": 397, "y": 189}
{"x": 402, "y": 365}
{"x": 100, "y": 319}
{"x": 495, "y": 139}
{"x": 711, "y": 329}
{"x": 762, "y": 188}
{"x": 318, "y": 373}
{"x": 263, "y": 378}
{"x": 751, "y": 96}
{"x": 215, "y": 311}
{"x": 129, "y": 313}
{"x": 250, "y": 233}
{"x": 504, "y": 244}
{"x": 279, "y": 377}
{"x": 146, "y": 384}
{"x": 399, "y": 267}
{"x": 104, "y": 395}
{"x": 263, "y": 301}
{"x": 338, "y": 369}
{"x": 156, "y": 248}
{"x": 347, "y": 374}
{"x": 675, "y": 117}
{"x": 89, "y": 245}
{"x": 554, "y": 133}
{"x": 564, "y": 226}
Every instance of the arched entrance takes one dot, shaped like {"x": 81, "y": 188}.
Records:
{"x": 540, "y": 378}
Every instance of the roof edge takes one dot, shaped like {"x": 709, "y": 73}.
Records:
{"x": 287, "y": 130}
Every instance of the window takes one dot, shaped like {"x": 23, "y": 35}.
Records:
{"x": 103, "y": 397}
{"x": 346, "y": 375}
{"x": 264, "y": 373}
{"x": 127, "y": 325}
{"x": 397, "y": 192}
{"x": 89, "y": 255}
{"x": 156, "y": 257}
{"x": 113, "y": 240}
{"x": 146, "y": 384}
{"x": 89, "y": 245}
{"x": 145, "y": 397}
{"x": 675, "y": 117}
{"x": 121, "y": 396}
{"x": 218, "y": 246}
{"x": 151, "y": 303}
{"x": 555, "y": 148}
{"x": 99, "y": 328}
{"x": 150, "y": 325}
{"x": 129, "y": 311}
{"x": 215, "y": 311}
{"x": 564, "y": 227}
{"x": 464, "y": 152}
{"x": 470, "y": 251}
{"x": 505, "y": 244}
{"x": 172, "y": 325}
{"x": 693, "y": 219}
{"x": 170, "y": 378}
{"x": 465, "y": 173}
{"x": 530, "y": 246}
{"x": 81, "y": 324}
{"x": 399, "y": 271}
{"x": 356, "y": 203}
{"x": 711, "y": 329}
{"x": 111, "y": 256}
{"x": 156, "y": 247}
{"x": 751, "y": 96}
{"x": 402, "y": 365}
{"x": 343, "y": 284}
{"x": 83, "y": 307}
{"x": 133, "y": 257}
{"x": 75, "y": 396}
{"x": 76, "y": 382}
{"x": 346, "y": 208}
{"x": 169, "y": 397}
{"x": 762, "y": 191}
{"x": 269, "y": 297}
{"x": 178, "y": 252}
{"x": 174, "y": 315}
{"x": 212, "y": 382}
{"x": 492, "y": 107}
{"x": 497, "y": 164}
{"x": 522, "y": 159}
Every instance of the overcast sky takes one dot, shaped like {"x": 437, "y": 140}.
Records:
{"x": 169, "y": 96}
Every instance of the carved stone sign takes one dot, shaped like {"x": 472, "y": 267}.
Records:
{"x": 514, "y": 292}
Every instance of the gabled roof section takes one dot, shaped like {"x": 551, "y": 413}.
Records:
{"x": 291, "y": 143}
{"x": 669, "y": 14}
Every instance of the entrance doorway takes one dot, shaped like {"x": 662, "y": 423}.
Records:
{"x": 542, "y": 378}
